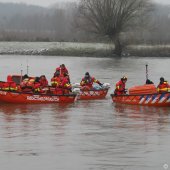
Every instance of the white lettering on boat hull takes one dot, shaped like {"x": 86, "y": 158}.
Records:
{"x": 3, "y": 93}
{"x": 44, "y": 98}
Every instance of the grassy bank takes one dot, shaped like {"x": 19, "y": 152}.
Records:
{"x": 84, "y": 52}
{"x": 132, "y": 50}
{"x": 56, "y": 48}
{"x": 149, "y": 50}
{"x": 81, "y": 49}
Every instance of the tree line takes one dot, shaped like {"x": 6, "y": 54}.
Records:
{"x": 120, "y": 22}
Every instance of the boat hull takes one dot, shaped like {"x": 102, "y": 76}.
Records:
{"x": 158, "y": 100}
{"x": 30, "y": 98}
{"x": 92, "y": 94}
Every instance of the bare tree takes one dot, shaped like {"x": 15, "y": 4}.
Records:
{"x": 111, "y": 17}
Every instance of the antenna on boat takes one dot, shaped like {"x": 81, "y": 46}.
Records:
{"x": 146, "y": 71}
{"x": 27, "y": 67}
{"x": 21, "y": 74}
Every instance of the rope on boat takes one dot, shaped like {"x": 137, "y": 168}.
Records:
{"x": 95, "y": 92}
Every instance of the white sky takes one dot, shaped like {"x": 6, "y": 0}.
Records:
{"x": 50, "y": 2}
{"x": 37, "y": 2}
{"x": 163, "y": 1}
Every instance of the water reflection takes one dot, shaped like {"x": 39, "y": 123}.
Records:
{"x": 28, "y": 117}
{"x": 14, "y": 109}
{"x": 25, "y": 128}
{"x": 140, "y": 111}
{"x": 143, "y": 117}
{"x": 87, "y": 134}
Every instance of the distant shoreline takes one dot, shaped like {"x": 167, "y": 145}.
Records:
{"x": 80, "y": 49}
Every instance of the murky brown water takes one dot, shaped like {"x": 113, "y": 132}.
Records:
{"x": 86, "y": 135}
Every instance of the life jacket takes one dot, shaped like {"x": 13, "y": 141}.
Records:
{"x": 24, "y": 82}
{"x": 163, "y": 87}
{"x": 31, "y": 82}
{"x": 27, "y": 84}
{"x": 65, "y": 83}
{"x": 9, "y": 85}
{"x": 37, "y": 87}
{"x": 120, "y": 88}
{"x": 58, "y": 88}
{"x": 56, "y": 81}
{"x": 65, "y": 86}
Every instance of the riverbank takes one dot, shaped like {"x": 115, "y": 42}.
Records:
{"x": 81, "y": 49}
{"x": 149, "y": 50}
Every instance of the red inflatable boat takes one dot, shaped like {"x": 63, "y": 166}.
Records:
{"x": 92, "y": 94}
{"x": 32, "y": 98}
{"x": 20, "y": 96}
{"x": 146, "y": 95}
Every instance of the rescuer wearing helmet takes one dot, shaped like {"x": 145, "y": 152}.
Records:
{"x": 87, "y": 81}
{"x": 56, "y": 80}
{"x": 62, "y": 69}
{"x": 65, "y": 84}
{"x": 163, "y": 86}
{"x": 120, "y": 86}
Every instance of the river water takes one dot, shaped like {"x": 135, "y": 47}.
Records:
{"x": 86, "y": 135}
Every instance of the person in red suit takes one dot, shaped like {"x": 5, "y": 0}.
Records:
{"x": 43, "y": 81}
{"x": 62, "y": 70}
{"x": 120, "y": 86}
{"x": 37, "y": 85}
{"x": 87, "y": 82}
{"x": 66, "y": 85}
{"x": 56, "y": 80}
{"x": 10, "y": 84}
{"x": 163, "y": 86}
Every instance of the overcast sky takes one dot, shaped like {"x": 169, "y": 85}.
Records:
{"x": 37, "y": 2}
{"x": 49, "y": 2}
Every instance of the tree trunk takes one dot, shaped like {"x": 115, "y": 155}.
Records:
{"x": 118, "y": 46}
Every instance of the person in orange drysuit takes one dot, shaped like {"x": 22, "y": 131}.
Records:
{"x": 62, "y": 69}
{"x": 163, "y": 86}
{"x": 120, "y": 86}
{"x": 56, "y": 82}
{"x": 27, "y": 83}
{"x": 43, "y": 81}
{"x": 67, "y": 87}
{"x": 10, "y": 84}
{"x": 87, "y": 82}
